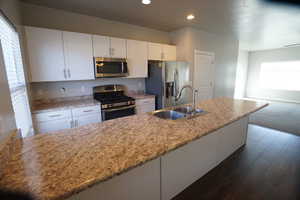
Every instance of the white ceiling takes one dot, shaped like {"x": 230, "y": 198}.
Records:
{"x": 257, "y": 24}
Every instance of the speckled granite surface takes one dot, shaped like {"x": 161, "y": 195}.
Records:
{"x": 62, "y": 104}
{"x": 57, "y": 165}
{"x": 6, "y": 149}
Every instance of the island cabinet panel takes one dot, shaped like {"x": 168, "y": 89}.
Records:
{"x": 231, "y": 137}
{"x": 141, "y": 183}
{"x": 182, "y": 167}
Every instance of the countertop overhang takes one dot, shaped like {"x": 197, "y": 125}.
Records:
{"x": 57, "y": 165}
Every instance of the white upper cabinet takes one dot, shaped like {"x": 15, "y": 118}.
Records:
{"x": 78, "y": 56}
{"x": 161, "y": 52}
{"x": 117, "y": 48}
{"x": 155, "y": 51}
{"x": 45, "y": 53}
{"x": 101, "y": 45}
{"x": 137, "y": 59}
{"x": 169, "y": 52}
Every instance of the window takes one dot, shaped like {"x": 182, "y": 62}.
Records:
{"x": 15, "y": 75}
{"x": 280, "y": 76}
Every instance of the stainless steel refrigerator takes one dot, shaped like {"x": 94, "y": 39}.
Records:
{"x": 165, "y": 80}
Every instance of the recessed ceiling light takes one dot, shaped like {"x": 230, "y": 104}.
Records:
{"x": 146, "y": 2}
{"x": 190, "y": 17}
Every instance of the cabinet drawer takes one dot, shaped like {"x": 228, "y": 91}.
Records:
{"x": 85, "y": 110}
{"x": 145, "y": 101}
{"x": 50, "y": 116}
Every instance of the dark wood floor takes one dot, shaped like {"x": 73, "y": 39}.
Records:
{"x": 267, "y": 168}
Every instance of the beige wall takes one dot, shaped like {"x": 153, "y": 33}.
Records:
{"x": 226, "y": 54}
{"x": 58, "y": 19}
{"x": 7, "y": 122}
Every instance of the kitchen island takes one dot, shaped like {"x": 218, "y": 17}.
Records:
{"x": 136, "y": 157}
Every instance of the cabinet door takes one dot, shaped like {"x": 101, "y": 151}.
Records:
{"x": 101, "y": 46}
{"x": 45, "y": 53}
{"x": 169, "y": 52}
{"x": 182, "y": 167}
{"x": 87, "y": 119}
{"x": 154, "y": 51}
{"x": 79, "y": 56}
{"x": 54, "y": 125}
{"x": 117, "y": 48}
{"x": 137, "y": 58}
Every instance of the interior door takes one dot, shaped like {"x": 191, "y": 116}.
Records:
{"x": 204, "y": 74}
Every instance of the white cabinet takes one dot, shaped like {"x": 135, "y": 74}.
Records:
{"x": 109, "y": 47}
{"x": 63, "y": 119}
{"x": 45, "y": 54}
{"x": 161, "y": 52}
{"x": 137, "y": 59}
{"x": 78, "y": 56}
{"x": 145, "y": 105}
{"x": 155, "y": 51}
{"x": 87, "y": 119}
{"x": 231, "y": 137}
{"x": 101, "y": 46}
{"x": 52, "y": 121}
{"x": 118, "y": 47}
{"x": 54, "y": 125}
{"x": 168, "y": 52}
{"x": 182, "y": 167}
{"x": 142, "y": 182}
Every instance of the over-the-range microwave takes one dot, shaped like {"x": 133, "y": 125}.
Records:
{"x": 110, "y": 67}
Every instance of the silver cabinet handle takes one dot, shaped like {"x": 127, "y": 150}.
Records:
{"x": 69, "y": 73}
{"x": 58, "y": 115}
{"x": 88, "y": 110}
{"x": 65, "y": 73}
{"x": 72, "y": 123}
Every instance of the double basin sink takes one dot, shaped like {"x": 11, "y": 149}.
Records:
{"x": 179, "y": 113}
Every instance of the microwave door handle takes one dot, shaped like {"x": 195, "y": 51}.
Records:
{"x": 122, "y": 67}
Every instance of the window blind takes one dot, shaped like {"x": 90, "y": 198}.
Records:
{"x": 15, "y": 75}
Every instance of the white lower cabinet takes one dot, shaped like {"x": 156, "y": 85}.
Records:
{"x": 145, "y": 105}
{"x": 231, "y": 137}
{"x": 87, "y": 119}
{"x": 182, "y": 167}
{"x": 141, "y": 183}
{"x": 53, "y": 125}
{"x": 65, "y": 119}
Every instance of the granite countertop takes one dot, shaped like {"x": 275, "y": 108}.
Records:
{"x": 62, "y": 104}
{"x": 57, "y": 165}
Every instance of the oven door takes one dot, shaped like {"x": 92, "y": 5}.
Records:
{"x": 114, "y": 113}
{"x": 110, "y": 67}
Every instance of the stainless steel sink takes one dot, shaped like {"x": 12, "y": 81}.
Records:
{"x": 169, "y": 114}
{"x": 188, "y": 110}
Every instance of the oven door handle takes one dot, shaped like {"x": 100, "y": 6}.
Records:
{"x": 117, "y": 109}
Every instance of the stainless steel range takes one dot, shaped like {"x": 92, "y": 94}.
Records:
{"x": 114, "y": 103}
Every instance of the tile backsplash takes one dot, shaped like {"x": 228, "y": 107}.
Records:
{"x": 50, "y": 90}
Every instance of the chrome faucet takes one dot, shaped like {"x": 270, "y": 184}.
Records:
{"x": 195, "y": 92}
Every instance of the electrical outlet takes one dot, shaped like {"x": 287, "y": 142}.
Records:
{"x": 63, "y": 90}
